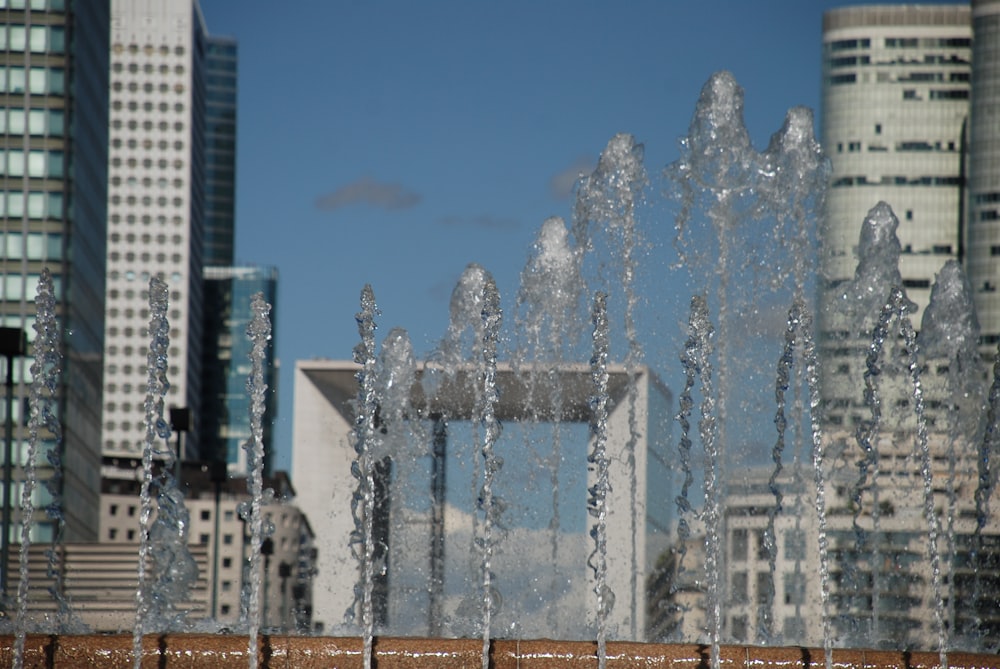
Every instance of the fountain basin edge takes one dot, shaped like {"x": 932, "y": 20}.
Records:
{"x": 183, "y": 651}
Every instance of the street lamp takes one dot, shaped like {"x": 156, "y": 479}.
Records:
{"x": 218, "y": 474}
{"x": 13, "y": 342}
{"x": 284, "y": 571}
{"x": 267, "y": 550}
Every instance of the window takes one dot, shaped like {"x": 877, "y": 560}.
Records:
{"x": 227, "y": 539}
{"x": 739, "y": 545}
{"x": 765, "y": 586}
{"x": 762, "y": 552}
{"x": 739, "y": 625}
{"x": 795, "y": 588}
{"x": 795, "y": 544}
{"x": 738, "y": 587}
{"x": 961, "y": 94}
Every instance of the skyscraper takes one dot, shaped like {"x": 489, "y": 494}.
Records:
{"x": 894, "y": 104}
{"x": 225, "y": 424}
{"x": 220, "y": 150}
{"x": 897, "y": 83}
{"x": 53, "y": 129}
{"x": 983, "y": 223}
{"x": 225, "y": 415}
{"x": 156, "y": 208}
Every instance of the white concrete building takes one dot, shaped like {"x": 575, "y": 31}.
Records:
{"x": 217, "y": 536}
{"x": 431, "y": 584}
{"x": 895, "y": 100}
{"x": 983, "y": 225}
{"x": 155, "y": 208}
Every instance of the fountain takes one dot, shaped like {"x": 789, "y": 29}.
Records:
{"x": 868, "y": 531}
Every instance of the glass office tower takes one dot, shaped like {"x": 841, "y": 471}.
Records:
{"x": 53, "y": 187}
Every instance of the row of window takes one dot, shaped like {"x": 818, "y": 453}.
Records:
{"x": 854, "y": 61}
{"x": 18, "y": 286}
{"x": 132, "y": 238}
{"x": 146, "y": 201}
{"x": 35, "y": 164}
{"x": 794, "y": 591}
{"x": 905, "y": 147}
{"x": 31, "y": 246}
{"x": 34, "y": 5}
{"x": 115, "y": 275}
{"x": 148, "y": 106}
{"x": 19, "y": 449}
{"x": 908, "y": 93}
{"x": 897, "y": 181}
{"x": 147, "y": 163}
{"x": 147, "y": 68}
{"x": 116, "y": 256}
{"x": 146, "y": 182}
{"x": 163, "y": 145}
{"x": 128, "y": 370}
{"x": 930, "y": 77}
{"x": 35, "y": 80}
{"x": 128, "y": 388}
{"x": 147, "y": 87}
{"x": 34, "y": 205}
{"x": 795, "y": 544}
{"x": 37, "y": 39}
{"x": 903, "y": 43}
{"x": 146, "y": 219}
{"x": 38, "y": 122}
{"x": 147, "y": 49}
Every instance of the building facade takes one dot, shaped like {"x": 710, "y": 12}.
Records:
{"x": 218, "y": 538}
{"x": 899, "y": 129}
{"x": 155, "y": 209}
{"x": 225, "y": 425}
{"x": 983, "y": 222}
{"x": 220, "y": 150}
{"x": 895, "y": 101}
{"x": 53, "y": 185}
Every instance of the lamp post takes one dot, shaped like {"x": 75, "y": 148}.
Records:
{"x": 218, "y": 474}
{"x": 284, "y": 571}
{"x": 180, "y": 421}
{"x": 267, "y": 550}
{"x": 13, "y": 342}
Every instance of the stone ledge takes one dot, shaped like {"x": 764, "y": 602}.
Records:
{"x": 194, "y": 651}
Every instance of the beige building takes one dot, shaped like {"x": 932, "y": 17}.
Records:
{"x": 100, "y": 582}
{"x": 216, "y": 529}
{"x": 895, "y": 99}
{"x": 155, "y": 209}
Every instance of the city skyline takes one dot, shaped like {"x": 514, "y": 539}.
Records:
{"x": 409, "y": 141}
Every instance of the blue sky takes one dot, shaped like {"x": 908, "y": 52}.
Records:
{"x": 392, "y": 143}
